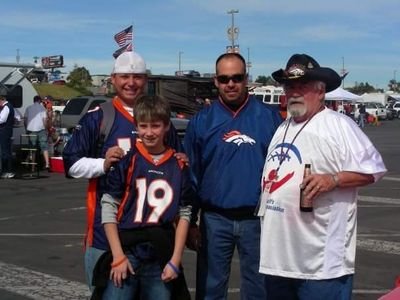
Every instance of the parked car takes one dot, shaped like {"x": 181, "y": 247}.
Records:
{"x": 392, "y": 113}
{"x": 77, "y": 107}
{"x": 396, "y": 106}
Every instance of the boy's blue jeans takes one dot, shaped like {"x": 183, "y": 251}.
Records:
{"x": 147, "y": 278}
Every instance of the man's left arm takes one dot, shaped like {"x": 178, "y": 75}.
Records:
{"x": 315, "y": 184}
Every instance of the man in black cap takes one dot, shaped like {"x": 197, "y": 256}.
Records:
{"x": 309, "y": 253}
{"x": 6, "y": 132}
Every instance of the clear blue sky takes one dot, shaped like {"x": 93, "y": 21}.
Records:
{"x": 364, "y": 34}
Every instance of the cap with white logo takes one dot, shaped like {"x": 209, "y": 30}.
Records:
{"x": 129, "y": 63}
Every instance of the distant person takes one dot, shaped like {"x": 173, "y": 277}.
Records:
{"x": 53, "y": 136}
{"x": 146, "y": 193}
{"x": 6, "y": 132}
{"x": 90, "y": 154}
{"x": 48, "y": 105}
{"x": 226, "y": 143}
{"x": 35, "y": 119}
{"x": 362, "y": 115}
{"x": 348, "y": 109}
{"x": 308, "y": 251}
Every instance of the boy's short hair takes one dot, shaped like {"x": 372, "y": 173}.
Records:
{"x": 152, "y": 109}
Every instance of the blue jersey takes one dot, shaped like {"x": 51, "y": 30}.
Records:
{"x": 150, "y": 192}
{"x": 85, "y": 143}
{"x": 227, "y": 150}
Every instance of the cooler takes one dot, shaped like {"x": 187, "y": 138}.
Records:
{"x": 57, "y": 164}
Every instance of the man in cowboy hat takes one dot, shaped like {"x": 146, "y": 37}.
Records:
{"x": 310, "y": 254}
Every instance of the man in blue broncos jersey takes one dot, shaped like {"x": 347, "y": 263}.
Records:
{"x": 83, "y": 159}
{"x": 146, "y": 193}
{"x": 227, "y": 143}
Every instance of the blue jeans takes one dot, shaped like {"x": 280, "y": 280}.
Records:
{"x": 362, "y": 119}
{"x": 300, "y": 289}
{"x": 147, "y": 279}
{"x": 5, "y": 150}
{"x": 92, "y": 255}
{"x": 220, "y": 236}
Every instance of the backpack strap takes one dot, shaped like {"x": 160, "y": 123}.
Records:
{"x": 106, "y": 124}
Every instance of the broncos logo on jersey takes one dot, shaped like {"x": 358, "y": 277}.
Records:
{"x": 238, "y": 138}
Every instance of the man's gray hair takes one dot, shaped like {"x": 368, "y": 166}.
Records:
{"x": 320, "y": 85}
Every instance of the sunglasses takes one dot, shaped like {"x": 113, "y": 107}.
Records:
{"x": 237, "y": 78}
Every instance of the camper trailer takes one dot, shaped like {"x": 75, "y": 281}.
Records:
{"x": 20, "y": 92}
{"x": 185, "y": 94}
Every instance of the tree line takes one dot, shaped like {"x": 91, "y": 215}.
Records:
{"x": 358, "y": 88}
{"x": 80, "y": 79}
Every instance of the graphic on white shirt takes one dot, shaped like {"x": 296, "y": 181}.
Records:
{"x": 281, "y": 153}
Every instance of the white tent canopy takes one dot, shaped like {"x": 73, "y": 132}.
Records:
{"x": 342, "y": 95}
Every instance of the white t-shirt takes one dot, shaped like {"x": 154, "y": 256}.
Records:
{"x": 35, "y": 116}
{"x": 319, "y": 244}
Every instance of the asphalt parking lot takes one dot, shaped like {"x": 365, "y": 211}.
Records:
{"x": 42, "y": 225}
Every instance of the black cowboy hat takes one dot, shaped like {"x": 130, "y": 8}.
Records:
{"x": 303, "y": 67}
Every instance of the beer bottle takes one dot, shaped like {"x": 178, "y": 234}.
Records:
{"x": 306, "y": 205}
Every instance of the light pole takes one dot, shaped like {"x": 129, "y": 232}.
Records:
{"x": 248, "y": 62}
{"x": 18, "y": 57}
{"x": 179, "y": 60}
{"x": 233, "y": 31}
{"x": 343, "y": 72}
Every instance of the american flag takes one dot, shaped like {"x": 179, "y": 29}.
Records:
{"x": 124, "y": 36}
{"x": 126, "y": 48}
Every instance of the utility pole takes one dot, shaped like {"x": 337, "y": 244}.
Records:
{"x": 18, "y": 57}
{"x": 343, "y": 72}
{"x": 248, "y": 62}
{"x": 179, "y": 61}
{"x": 233, "y": 32}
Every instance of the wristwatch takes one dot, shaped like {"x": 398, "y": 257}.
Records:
{"x": 336, "y": 179}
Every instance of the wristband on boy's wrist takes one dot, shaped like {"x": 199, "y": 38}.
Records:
{"x": 119, "y": 262}
{"x": 173, "y": 267}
